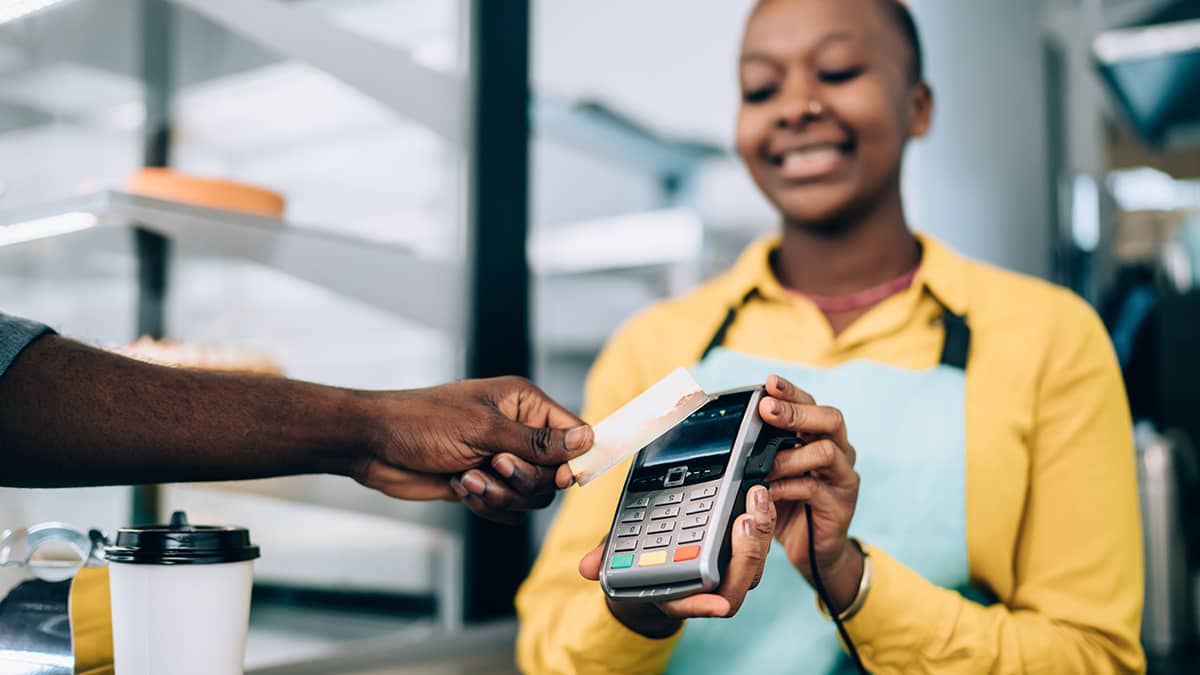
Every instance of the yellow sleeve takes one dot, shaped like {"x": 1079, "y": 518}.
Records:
{"x": 1077, "y": 604}
{"x": 565, "y": 623}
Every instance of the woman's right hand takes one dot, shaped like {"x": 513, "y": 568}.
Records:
{"x": 752, "y": 532}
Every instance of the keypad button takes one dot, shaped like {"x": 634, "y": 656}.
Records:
{"x": 672, "y": 498}
{"x": 660, "y": 527}
{"x": 629, "y": 530}
{"x": 703, "y": 493}
{"x": 665, "y": 512}
{"x": 625, "y": 545}
{"x": 620, "y": 562}
{"x": 633, "y": 517}
{"x": 689, "y": 536}
{"x": 648, "y": 559}
{"x": 695, "y": 521}
{"x": 686, "y": 553}
{"x": 638, "y": 503}
{"x": 661, "y": 541}
{"x": 699, "y": 507}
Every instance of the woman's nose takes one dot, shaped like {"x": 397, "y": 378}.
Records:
{"x": 798, "y": 104}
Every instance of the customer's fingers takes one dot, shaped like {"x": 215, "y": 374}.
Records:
{"x": 407, "y": 485}
{"x": 751, "y": 541}
{"x": 525, "y": 478}
{"x": 563, "y": 478}
{"x": 490, "y": 497}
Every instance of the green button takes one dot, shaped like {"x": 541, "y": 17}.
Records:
{"x": 620, "y": 562}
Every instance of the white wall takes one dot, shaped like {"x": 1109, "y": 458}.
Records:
{"x": 669, "y": 62}
{"x": 980, "y": 181}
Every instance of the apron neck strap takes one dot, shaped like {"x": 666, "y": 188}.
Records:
{"x": 718, "y": 337}
{"x": 957, "y": 345}
{"x": 955, "y": 349}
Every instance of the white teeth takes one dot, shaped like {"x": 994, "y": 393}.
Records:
{"x": 799, "y": 160}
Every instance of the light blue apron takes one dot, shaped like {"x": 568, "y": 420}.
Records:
{"x": 909, "y": 432}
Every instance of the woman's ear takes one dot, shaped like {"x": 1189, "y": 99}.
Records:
{"x": 920, "y": 110}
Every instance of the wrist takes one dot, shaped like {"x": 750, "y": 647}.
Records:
{"x": 645, "y": 619}
{"x": 357, "y": 423}
{"x": 843, "y": 577}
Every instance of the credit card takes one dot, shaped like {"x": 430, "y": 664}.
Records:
{"x": 638, "y": 424}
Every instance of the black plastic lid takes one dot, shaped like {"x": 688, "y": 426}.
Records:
{"x": 181, "y": 543}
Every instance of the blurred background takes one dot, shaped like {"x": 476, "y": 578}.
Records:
{"x": 480, "y": 187}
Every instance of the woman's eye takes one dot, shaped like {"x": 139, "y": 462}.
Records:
{"x": 840, "y": 75}
{"x": 758, "y": 95}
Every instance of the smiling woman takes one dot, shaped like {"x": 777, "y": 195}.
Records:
{"x": 824, "y": 119}
{"x": 967, "y": 424}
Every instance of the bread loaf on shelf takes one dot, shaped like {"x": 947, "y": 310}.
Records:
{"x": 212, "y": 357}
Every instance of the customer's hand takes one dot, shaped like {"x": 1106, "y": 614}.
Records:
{"x": 424, "y": 439}
{"x": 507, "y": 488}
{"x": 751, "y": 540}
{"x": 820, "y": 473}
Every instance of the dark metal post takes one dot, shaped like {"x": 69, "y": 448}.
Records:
{"x": 1054, "y": 61}
{"x": 498, "y": 342}
{"x": 153, "y": 250}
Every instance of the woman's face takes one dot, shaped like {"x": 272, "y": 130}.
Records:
{"x": 828, "y": 103}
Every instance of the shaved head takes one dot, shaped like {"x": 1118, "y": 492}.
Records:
{"x": 901, "y": 18}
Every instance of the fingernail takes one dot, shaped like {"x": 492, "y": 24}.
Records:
{"x": 457, "y": 486}
{"x": 748, "y": 528}
{"x": 760, "y": 500}
{"x": 505, "y": 467}
{"x": 576, "y": 438}
{"x": 474, "y": 484}
{"x": 781, "y": 384}
{"x": 775, "y": 407}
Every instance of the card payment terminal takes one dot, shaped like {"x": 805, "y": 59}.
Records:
{"x": 670, "y": 535}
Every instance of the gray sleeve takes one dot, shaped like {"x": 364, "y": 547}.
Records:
{"x": 15, "y": 335}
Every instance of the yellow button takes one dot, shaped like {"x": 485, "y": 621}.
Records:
{"x": 655, "y": 558}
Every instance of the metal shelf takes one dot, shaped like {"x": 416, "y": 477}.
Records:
{"x": 389, "y": 277}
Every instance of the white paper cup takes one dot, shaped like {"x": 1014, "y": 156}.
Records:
{"x": 180, "y": 598}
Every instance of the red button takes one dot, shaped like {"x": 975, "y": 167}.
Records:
{"x": 687, "y": 553}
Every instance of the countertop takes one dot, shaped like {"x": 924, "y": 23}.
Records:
{"x": 476, "y": 650}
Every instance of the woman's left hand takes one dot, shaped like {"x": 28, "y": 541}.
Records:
{"x": 820, "y": 473}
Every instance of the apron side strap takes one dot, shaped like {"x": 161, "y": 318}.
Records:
{"x": 957, "y": 345}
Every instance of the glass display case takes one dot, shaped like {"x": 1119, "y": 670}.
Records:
{"x": 363, "y": 282}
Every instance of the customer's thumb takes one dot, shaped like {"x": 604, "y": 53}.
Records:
{"x": 544, "y": 445}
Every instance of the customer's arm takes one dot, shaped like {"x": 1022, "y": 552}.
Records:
{"x": 566, "y": 626}
{"x": 1077, "y": 603}
{"x": 71, "y": 415}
